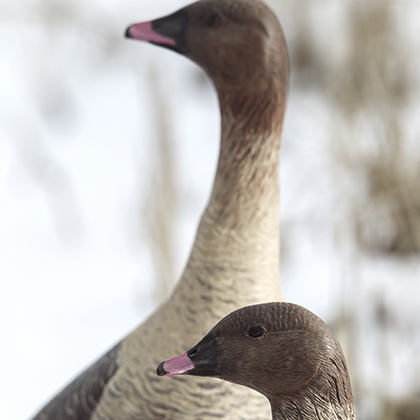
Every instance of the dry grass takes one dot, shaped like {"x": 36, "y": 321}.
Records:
{"x": 371, "y": 93}
{"x": 407, "y": 409}
{"x": 371, "y": 88}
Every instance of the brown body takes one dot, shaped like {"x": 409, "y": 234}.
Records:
{"x": 235, "y": 257}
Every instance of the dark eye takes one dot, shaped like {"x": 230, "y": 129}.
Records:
{"x": 255, "y": 332}
{"x": 213, "y": 19}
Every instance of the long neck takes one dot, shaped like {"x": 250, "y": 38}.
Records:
{"x": 235, "y": 257}
{"x": 246, "y": 190}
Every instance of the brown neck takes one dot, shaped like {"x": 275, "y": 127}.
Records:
{"x": 329, "y": 396}
{"x": 293, "y": 410}
{"x": 246, "y": 186}
{"x": 235, "y": 256}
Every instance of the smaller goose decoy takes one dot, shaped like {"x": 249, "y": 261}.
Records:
{"x": 281, "y": 350}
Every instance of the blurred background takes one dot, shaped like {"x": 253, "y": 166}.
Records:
{"x": 108, "y": 149}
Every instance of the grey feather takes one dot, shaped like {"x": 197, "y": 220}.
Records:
{"x": 78, "y": 400}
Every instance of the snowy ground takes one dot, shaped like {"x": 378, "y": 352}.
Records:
{"x": 76, "y": 156}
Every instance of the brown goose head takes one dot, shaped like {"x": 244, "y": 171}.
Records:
{"x": 239, "y": 43}
{"x": 279, "y": 349}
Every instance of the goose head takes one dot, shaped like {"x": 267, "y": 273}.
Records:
{"x": 239, "y": 43}
{"x": 279, "y": 349}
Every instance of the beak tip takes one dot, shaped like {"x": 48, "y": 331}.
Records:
{"x": 127, "y": 33}
{"x": 160, "y": 370}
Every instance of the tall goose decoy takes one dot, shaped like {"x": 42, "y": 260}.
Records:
{"x": 281, "y": 350}
{"x": 235, "y": 257}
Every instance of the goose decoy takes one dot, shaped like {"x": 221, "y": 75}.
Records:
{"x": 235, "y": 257}
{"x": 281, "y": 350}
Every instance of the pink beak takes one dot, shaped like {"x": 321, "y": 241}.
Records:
{"x": 175, "y": 366}
{"x": 144, "y": 32}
